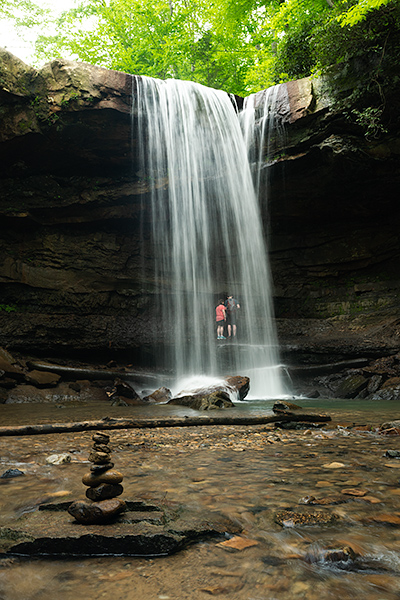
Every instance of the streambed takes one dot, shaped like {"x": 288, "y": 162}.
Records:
{"x": 249, "y": 473}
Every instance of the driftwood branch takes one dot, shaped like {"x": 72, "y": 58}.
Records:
{"x": 112, "y": 423}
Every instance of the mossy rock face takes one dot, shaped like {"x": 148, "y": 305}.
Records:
{"x": 15, "y": 76}
{"x": 351, "y": 386}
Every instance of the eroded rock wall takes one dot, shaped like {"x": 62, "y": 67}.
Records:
{"x": 330, "y": 202}
{"x": 76, "y": 275}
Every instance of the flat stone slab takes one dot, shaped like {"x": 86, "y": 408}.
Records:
{"x": 145, "y": 529}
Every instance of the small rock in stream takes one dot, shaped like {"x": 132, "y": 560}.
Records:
{"x": 12, "y": 473}
{"x": 392, "y": 454}
{"x": 58, "y": 459}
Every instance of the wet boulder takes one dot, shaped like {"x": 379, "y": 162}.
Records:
{"x": 241, "y": 385}
{"x": 204, "y": 401}
{"x": 11, "y": 370}
{"x": 160, "y": 396}
{"x": 282, "y": 405}
{"x": 43, "y": 379}
{"x": 390, "y": 390}
{"x": 124, "y": 393}
{"x": 351, "y": 386}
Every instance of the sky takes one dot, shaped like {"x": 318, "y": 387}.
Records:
{"x": 24, "y": 48}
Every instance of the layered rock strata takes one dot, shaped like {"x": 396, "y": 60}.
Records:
{"x": 76, "y": 268}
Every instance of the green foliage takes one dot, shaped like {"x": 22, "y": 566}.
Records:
{"x": 237, "y": 45}
{"x": 359, "y": 11}
{"x": 8, "y": 308}
{"x": 24, "y": 13}
{"x": 370, "y": 119}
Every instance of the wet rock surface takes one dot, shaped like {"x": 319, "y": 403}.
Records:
{"x": 150, "y": 529}
{"x": 204, "y": 401}
{"x": 242, "y": 474}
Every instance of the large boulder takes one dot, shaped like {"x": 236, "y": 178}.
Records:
{"x": 204, "y": 401}
{"x": 239, "y": 384}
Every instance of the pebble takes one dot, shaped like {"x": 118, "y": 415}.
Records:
{"x": 104, "y": 491}
{"x": 100, "y": 438}
{"x": 96, "y": 469}
{"x": 102, "y": 448}
{"x": 354, "y": 492}
{"x": 99, "y": 458}
{"x": 93, "y": 480}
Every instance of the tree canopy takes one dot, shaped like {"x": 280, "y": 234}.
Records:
{"x": 240, "y": 46}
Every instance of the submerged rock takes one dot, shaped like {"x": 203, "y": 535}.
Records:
{"x": 10, "y": 473}
{"x": 280, "y": 405}
{"x": 290, "y": 518}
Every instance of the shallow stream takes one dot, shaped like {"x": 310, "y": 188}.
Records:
{"x": 249, "y": 473}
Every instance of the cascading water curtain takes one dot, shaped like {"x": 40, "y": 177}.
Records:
{"x": 262, "y": 120}
{"x": 207, "y": 231}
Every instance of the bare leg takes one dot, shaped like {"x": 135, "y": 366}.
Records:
{"x": 229, "y": 331}
{"x": 234, "y": 330}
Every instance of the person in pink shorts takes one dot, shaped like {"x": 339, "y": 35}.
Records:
{"x": 220, "y": 316}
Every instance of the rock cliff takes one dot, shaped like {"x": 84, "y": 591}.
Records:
{"x": 75, "y": 275}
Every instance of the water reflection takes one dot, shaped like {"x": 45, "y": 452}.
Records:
{"x": 248, "y": 473}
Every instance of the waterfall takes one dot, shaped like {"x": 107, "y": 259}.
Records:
{"x": 207, "y": 232}
{"x": 262, "y": 120}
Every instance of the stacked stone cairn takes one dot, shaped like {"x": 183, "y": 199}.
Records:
{"x": 104, "y": 485}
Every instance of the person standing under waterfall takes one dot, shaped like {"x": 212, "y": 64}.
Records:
{"x": 220, "y": 315}
{"x": 231, "y": 306}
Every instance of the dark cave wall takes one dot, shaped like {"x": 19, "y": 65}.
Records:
{"x": 75, "y": 274}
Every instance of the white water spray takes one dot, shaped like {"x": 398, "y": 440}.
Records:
{"x": 207, "y": 232}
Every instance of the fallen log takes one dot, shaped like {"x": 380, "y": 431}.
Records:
{"x": 72, "y": 373}
{"x": 195, "y": 421}
{"x": 320, "y": 369}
